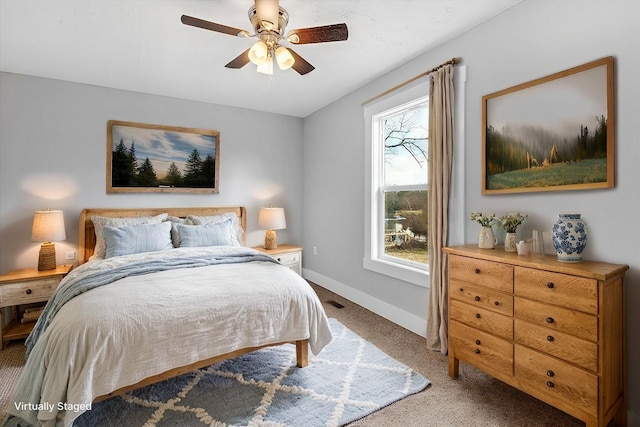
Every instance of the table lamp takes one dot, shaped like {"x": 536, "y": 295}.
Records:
{"x": 271, "y": 219}
{"x": 48, "y": 227}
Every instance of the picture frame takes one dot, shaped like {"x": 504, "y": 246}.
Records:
{"x": 151, "y": 158}
{"x": 553, "y": 133}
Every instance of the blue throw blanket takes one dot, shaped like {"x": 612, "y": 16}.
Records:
{"x": 102, "y": 273}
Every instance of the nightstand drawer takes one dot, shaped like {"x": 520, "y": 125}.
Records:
{"x": 288, "y": 258}
{"x": 27, "y": 291}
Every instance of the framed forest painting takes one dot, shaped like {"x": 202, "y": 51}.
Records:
{"x": 553, "y": 133}
{"x": 163, "y": 159}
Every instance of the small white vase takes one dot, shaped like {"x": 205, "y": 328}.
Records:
{"x": 487, "y": 240}
{"x": 511, "y": 242}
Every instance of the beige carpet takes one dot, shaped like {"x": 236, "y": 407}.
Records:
{"x": 474, "y": 399}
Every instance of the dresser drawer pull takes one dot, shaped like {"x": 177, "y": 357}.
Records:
{"x": 28, "y": 291}
{"x": 477, "y": 298}
{"x": 477, "y": 271}
{"x": 461, "y": 290}
{"x": 477, "y": 351}
{"x": 477, "y": 315}
{"x": 550, "y": 320}
{"x": 497, "y": 303}
{"x": 477, "y": 342}
{"x": 550, "y": 285}
{"x": 550, "y": 373}
{"x": 550, "y": 384}
{"x": 550, "y": 338}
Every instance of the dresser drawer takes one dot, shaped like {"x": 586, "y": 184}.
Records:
{"x": 480, "y": 296}
{"x": 552, "y": 380}
{"x": 26, "y": 292}
{"x": 488, "y": 321}
{"x": 480, "y": 272}
{"x": 480, "y": 349}
{"x": 559, "y": 289}
{"x": 559, "y": 344}
{"x": 572, "y": 322}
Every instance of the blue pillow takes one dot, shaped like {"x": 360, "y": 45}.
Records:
{"x": 219, "y": 234}
{"x": 133, "y": 239}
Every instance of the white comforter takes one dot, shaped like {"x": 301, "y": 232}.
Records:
{"x": 118, "y": 334}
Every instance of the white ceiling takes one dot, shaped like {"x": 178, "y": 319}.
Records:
{"x": 141, "y": 45}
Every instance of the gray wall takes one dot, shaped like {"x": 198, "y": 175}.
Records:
{"x": 531, "y": 40}
{"x": 53, "y": 154}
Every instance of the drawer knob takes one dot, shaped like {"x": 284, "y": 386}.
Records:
{"x": 550, "y": 285}
{"x": 550, "y": 338}
{"x": 461, "y": 290}
{"x": 477, "y": 298}
{"x": 28, "y": 291}
{"x": 550, "y": 373}
{"x": 550, "y": 320}
{"x": 477, "y": 342}
{"x": 477, "y": 315}
{"x": 497, "y": 303}
{"x": 550, "y": 384}
{"x": 477, "y": 270}
{"x": 477, "y": 351}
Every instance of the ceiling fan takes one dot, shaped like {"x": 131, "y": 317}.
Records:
{"x": 269, "y": 22}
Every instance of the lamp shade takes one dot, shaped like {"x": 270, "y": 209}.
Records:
{"x": 48, "y": 226}
{"x": 259, "y": 52}
{"x": 272, "y": 219}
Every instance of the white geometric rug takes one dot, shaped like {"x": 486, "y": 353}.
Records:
{"x": 348, "y": 380}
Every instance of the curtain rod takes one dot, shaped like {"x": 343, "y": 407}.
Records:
{"x": 452, "y": 61}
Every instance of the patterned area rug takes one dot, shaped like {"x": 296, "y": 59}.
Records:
{"x": 348, "y": 380}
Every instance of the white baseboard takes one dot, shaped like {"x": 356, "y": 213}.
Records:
{"x": 390, "y": 312}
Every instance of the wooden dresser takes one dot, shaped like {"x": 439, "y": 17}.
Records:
{"x": 553, "y": 330}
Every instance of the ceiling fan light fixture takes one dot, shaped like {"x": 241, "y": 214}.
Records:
{"x": 259, "y": 52}
{"x": 267, "y": 66}
{"x": 284, "y": 58}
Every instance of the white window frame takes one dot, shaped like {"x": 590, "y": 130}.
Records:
{"x": 374, "y": 258}
{"x": 458, "y": 218}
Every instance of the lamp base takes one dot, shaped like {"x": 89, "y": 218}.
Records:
{"x": 270, "y": 239}
{"x": 47, "y": 257}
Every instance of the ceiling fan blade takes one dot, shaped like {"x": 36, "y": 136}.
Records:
{"x": 326, "y": 33}
{"x": 300, "y": 64}
{"x": 240, "y": 60}
{"x": 200, "y": 23}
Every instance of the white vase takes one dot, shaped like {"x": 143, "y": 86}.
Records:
{"x": 510, "y": 242}
{"x": 486, "y": 239}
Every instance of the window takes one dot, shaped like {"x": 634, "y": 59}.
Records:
{"x": 396, "y": 223}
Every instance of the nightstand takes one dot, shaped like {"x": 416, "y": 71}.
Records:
{"x": 287, "y": 255}
{"x": 26, "y": 286}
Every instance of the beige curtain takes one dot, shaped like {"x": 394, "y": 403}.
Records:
{"x": 440, "y": 164}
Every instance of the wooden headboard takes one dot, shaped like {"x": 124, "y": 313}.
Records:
{"x": 87, "y": 236}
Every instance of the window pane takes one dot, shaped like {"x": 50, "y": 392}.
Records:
{"x": 405, "y": 230}
{"x": 405, "y": 147}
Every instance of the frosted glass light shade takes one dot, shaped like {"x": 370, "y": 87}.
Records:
{"x": 48, "y": 226}
{"x": 266, "y": 67}
{"x": 259, "y": 52}
{"x": 284, "y": 58}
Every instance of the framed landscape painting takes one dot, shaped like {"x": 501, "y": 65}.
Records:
{"x": 163, "y": 159}
{"x": 553, "y": 133}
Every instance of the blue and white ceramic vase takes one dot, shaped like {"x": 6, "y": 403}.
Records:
{"x": 569, "y": 235}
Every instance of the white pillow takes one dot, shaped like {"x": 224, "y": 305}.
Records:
{"x": 175, "y": 238}
{"x": 99, "y": 222}
{"x": 212, "y": 234}
{"x": 134, "y": 239}
{"x": 216, "y": 219}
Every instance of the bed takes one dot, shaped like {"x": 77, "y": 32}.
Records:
{"x": 136, "y": 311}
